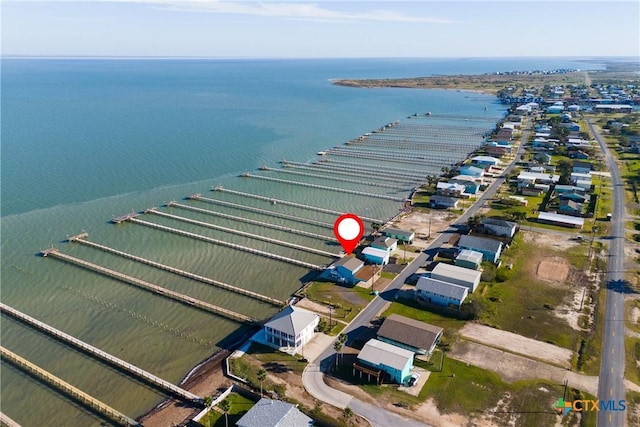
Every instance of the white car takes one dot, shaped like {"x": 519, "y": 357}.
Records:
{"x": 414, "y": 378}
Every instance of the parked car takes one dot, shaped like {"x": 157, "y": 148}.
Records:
{"x": 414, "y": 378}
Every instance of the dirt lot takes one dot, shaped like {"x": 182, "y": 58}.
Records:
{"x": 553, "y": 269}
{"x": 419, "y": 223}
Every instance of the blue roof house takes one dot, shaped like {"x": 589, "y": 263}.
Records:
{"x": 344, "y": 270}
{"x": 473, "y": 171}
{"x": 490, "y": 248}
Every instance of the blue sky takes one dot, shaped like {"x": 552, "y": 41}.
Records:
{"x": 318, "y": 29}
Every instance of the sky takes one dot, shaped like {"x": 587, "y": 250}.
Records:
{"x": 321, "y": 29}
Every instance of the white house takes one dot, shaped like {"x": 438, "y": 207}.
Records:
{"x": 291, "y": 329}
{"x": 375, "y": 255}
{"x": 485, "y": 161}
{"x": 440, "y": 292}
{"x": 499, "y": 227}
{"x": 457, "y": 275}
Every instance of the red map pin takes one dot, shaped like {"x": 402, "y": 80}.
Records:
{"x": 348, "y": 229}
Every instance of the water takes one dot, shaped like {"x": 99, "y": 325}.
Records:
{"x": 84, "y": 140}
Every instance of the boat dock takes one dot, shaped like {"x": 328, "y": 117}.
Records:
{"x": 325, "y": 187}
{"x": 5, "y": 420}
{"x": 67, "y": 388}
{"x": 260, "y": 211}
{"x": 82, "y": 238}
{"x": 123, "y": 218}
{"x": 322, "y": 167}
{"x": 333, "y": 178}
{"x": 288, "y": 203}
{"x": 102, "y": 355}
{"x": 241, "y": 233}
{"x": 253, "y": 222}
{"x": 176, "y": 296}
{"x": 228, "y": 244}
{"x": 389, "y": 170}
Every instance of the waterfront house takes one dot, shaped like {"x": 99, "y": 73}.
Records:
{"x": 382, "y": 357}
{"x": 457, "y": 275}
{"x": 344, "y": 270}
{"x": 400, "y": 235}
{"x": 469, "y": 259}
{"x": 291, "y": 329}
{"x": 410, "y": 334}
{"x": 470, "y": 185}
{"x": 385, "y": 243}
{"x": 274, "y": 413}
{"x": 449, "y": 189}
{"x": 440, "y": 292}
{"x": 490, "y": 248}
{"x": 472, "y": 171}
{"x": 443, "y": 202}
{"x": 485, "y": 161}
{"x": 375, "y": 255}
{"x": 560, "y": 220}
{"x": 499, "y": 227}
{"x": 498, "y": 150}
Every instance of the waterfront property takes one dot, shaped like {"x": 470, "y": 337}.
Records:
{"x": 472, "y": 171}
{"x": 457, "y": 275}
{"x": 485, "y": 161}
{"x": 385, "y": 243}
{"x": 386, "y": 358}
{"x": 375, "y": 256}
{"x": 439, "y": 292}
{"x": 443, "y": 202}
{"x": 400, "y": 235}
{"x": 410, "y": 334}
{"x": 274, "y": 413}
{"x": 469, "y": 259}
{"x": 450, "y": 189}
{"x": 291, "y": 329}
{"x": 344, "y": 270}
{"x": 470, "y": 185}
{"x": 489, "y": 248}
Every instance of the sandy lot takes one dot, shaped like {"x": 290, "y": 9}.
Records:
{"x": 419, "y": 223}
{"x": 553, "y": 269}
{"x": 517, "y": 344}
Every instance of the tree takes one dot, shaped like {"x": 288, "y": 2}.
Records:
{"x": 376, "y": 227}
{"x": 225, "y": 406}
{"x": 474, "y": 221}
{"x": 262, "y": 375}
{"x": 431, "y": 180}
{"x": 208, "y": 400}
{"x": 347, "y": 414}
{"x": 337, "y": 346}
{"x": 518, "y": 215}
{"x": 565, "y": 168}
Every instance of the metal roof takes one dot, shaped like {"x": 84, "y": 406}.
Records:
{"x": 384, "y": 241}
{"x": 377, "y": 352}
{"x": 554, "y": 217}
{"x": 440, "y": 287}
{"x": 409, "y": 331}
{"x": 457, "y": 275}
{"x": 469, "y": 255}
{"x": 351, "y": 263}
{"x": 397, "y": 232}
{"x": 274, "y": 413}
{"x": 480, "y": 243}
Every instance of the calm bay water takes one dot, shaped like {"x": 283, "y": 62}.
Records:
{"x": 83, "y": 140}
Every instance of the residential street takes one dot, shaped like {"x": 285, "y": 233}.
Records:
{"x": 611, "y": 384}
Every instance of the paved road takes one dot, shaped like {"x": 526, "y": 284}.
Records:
{"x": 611, "y": 384}
{"x": 312, "y": 377}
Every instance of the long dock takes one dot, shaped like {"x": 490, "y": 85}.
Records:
{"x": 82, "y": 240}
{"x": 412, "y": 173}
{"x": 6, "y": 420}
{"x": 325, "y": 187}
{"x": 315, "y": 167}
{"x": 288, "y": 203}
{"x": 241, "y": 233}
{"x": 261, "y": 211}
{"x": 75, "y": 392}
{"x": 335, "y": 178}
{"x": 385, "y": 157}
{"x": 228, "y": 244}
{"x": 220, "y": 311}
{"x": 253, "y": 222}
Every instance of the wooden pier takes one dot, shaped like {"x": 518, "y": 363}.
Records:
{"x": 168, "y": 293}
{"x": 261, "y": 211}
{"x": 123, "y": 218}
{"x": 242, "y": 233}
{"x": 5, "y": 420}
{"x": 325, "y": 187}
{"x": 404, "y": 171}
{"x": 183, "y": 273}
{"x": 228, "y": 244}
{"x": 253, "y": 222}
{"x": 67, "y": 388}
{"x": 102, "y": 355}
{"x": 334, "y": 178}
{"x": 288, "y": 203}
{"x": 386, "y": 158}
{"x": 318, "y": 167}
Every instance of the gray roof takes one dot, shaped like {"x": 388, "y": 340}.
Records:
{"x": 384, "y": 241}
{"x": 446, "y": 199}
{"x": 351, "y": 263}
{"x": 377, "y": 352}
{"x": 480, "y": 243}
{"x": 469, "y": 255}
{"x": 274, "y": 413}
{"x": 409, "y": 331}
{"x": 291, "y": 320}
{"x": 499, "y": 222}
{"x": 439, "y": 287}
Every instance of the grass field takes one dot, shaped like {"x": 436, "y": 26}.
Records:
{"x": 348, "y": 301}
{"x": 239, "y": 406}
{"x": 632, "y": 355}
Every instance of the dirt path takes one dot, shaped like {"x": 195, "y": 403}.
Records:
{"x": 517, "y": 344}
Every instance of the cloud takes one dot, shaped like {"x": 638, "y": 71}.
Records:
{"x": 295, "y": 10}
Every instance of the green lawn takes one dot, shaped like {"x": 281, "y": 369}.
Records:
{"x": 347, "y": 301}
{"x": 447, "y": 323}
{"x": 632, "y": 354}
{"x": 239, "y": 406}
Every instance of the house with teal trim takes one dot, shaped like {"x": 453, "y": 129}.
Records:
{"x": 385, "y": 243}
{"x": 473, "y": 171}
{"x": 344, "y": 270}
{"x": 470, "y": 185}
{"x": 490, "y": 249}
{"x": 375, "y": 255}
{"x": 386, "y": 358}
{"x": 410, "y": 334}
{"x": 400, "y": 235}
